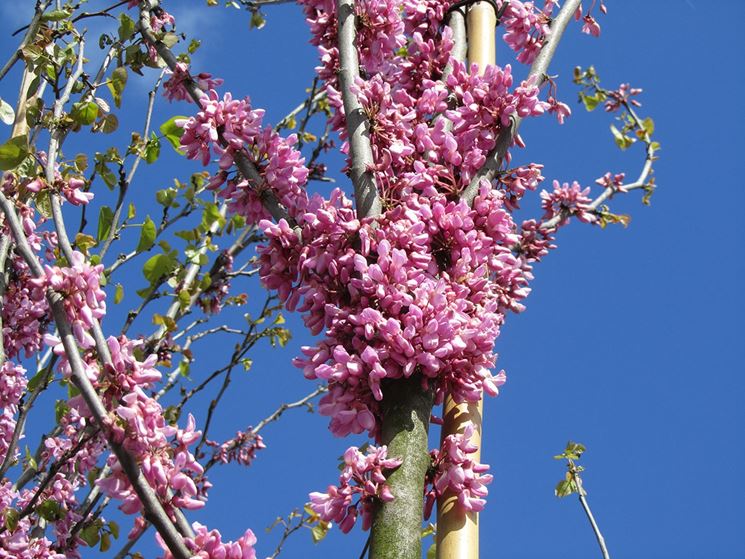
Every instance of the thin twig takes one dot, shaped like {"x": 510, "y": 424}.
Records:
{"x": 586, "y": 507}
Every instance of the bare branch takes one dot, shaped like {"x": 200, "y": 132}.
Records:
{"x": 124, "y": 185}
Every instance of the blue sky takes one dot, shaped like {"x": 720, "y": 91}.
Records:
{"x": 632, "y": 341}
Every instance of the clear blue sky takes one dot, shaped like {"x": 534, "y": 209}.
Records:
{"x": 632, "y": 342}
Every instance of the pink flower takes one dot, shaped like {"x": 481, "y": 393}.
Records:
{"x": 453, "y": 470}
{"x": 208, "y": 544}
{"x": 362, "y": 478}
{"x": 174, "y": 88}
{"x": 566, "y": 201}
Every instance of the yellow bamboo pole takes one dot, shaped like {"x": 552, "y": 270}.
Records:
{"x": 458, "y": 530}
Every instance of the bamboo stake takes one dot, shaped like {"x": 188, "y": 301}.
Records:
{"x": 458, "y": 530}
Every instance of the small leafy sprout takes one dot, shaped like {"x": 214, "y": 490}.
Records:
{"x": 571, "y": 482}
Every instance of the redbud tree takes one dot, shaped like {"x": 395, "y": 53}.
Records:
{"x": 404, "y": 272}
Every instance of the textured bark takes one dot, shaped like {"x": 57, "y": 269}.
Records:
{"x": 396, "y": 529}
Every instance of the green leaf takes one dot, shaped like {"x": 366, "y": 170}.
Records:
{"x": 212, "y": 215}
{"x": 167, "y": 321}
{"x": 13, "y": 152}
{"x": 84, "y": 242}
{"x": 107, "y": 124}
{"x": 50, "y": 510}
{"x": 184, "y": 298}
{"x": 84, "y": 113}
{"x": 622, "y": 141}
{"x": 126, "y": 27}
{"x": 147, "y": 235}
{"x": 81, "y": 162}
{"x": 194, "y": 45}
{"x": 131, "y": 211}
{"x": 648, "y": 125}
{"x": 55, "y": 15}
{"x": 591, "y": 101}
{"x": 166, "y": 197}
{"x": 118, "y": 293}
{"x": 564, "y": 488}
{"x": 105, "y": 542}
{"x": 116, "y": 84}
{"x": 257, "y": 20}
{"x": 44, "y": 204}
{"x": 157, "y": 267}
{"x": 172, "y": 132}
{"x": 319, "y": 531}
{"x": 7, "y": 114}
{"x": 152, "y": 149}
{"x": 90, "y": 535}
{"x": 10, "y": 519}
{"x": 432, "y": 551}
{"x": 114, "y": 529}
{"x": 105, "y": 219}
{"x": 106, "y": 174}
{"x": 35, "y": 381}
{"x": 170, "y": 39}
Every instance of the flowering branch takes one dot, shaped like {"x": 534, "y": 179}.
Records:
{"x": 153, "y": 509}
{"x": 358, "y": 127}
{"x": 244, "y": 164}
{"x": 538, "y": 75}
{"x": 642, "y": 129}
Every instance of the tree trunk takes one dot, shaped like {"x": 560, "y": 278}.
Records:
{"x": 396, "y": 529}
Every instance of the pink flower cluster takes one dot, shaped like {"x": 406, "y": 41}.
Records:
{"x": 19, "y": 543}
{"x": 362, "y": 478}
{"x": 424, "y": 292}
{"x": 162, "y": 450}
{"x": 71, "y": 188}
{"x": 208, "y": 544}
{"x": 13, "y": 383}
{"x": 240, "y": 449}
{"x": 25, "y": 311}
{"x": 566, "y": 201}
{"x": 527, "y": 27}
{"x": 452, "y": 470}
{"x": 590, "y": 26}
{"x": 424, "y": 288}
{"x": 79, "y": 285}
{"x": 613, "y": 181}
{"x": 174, "y": 88}
{"x": 617, "y": 98}
{"x": 240, "y": 129}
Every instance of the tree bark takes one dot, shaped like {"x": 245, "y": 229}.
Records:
{"x": 396, "y": 529}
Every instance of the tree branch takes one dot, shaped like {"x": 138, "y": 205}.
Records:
{"x": 537, "y": 73}
{"x": 243, "y": 162}
{"x": 30, "y": 32}
{"x": 358, "y": 127}
{"x": 152, "y": 508}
